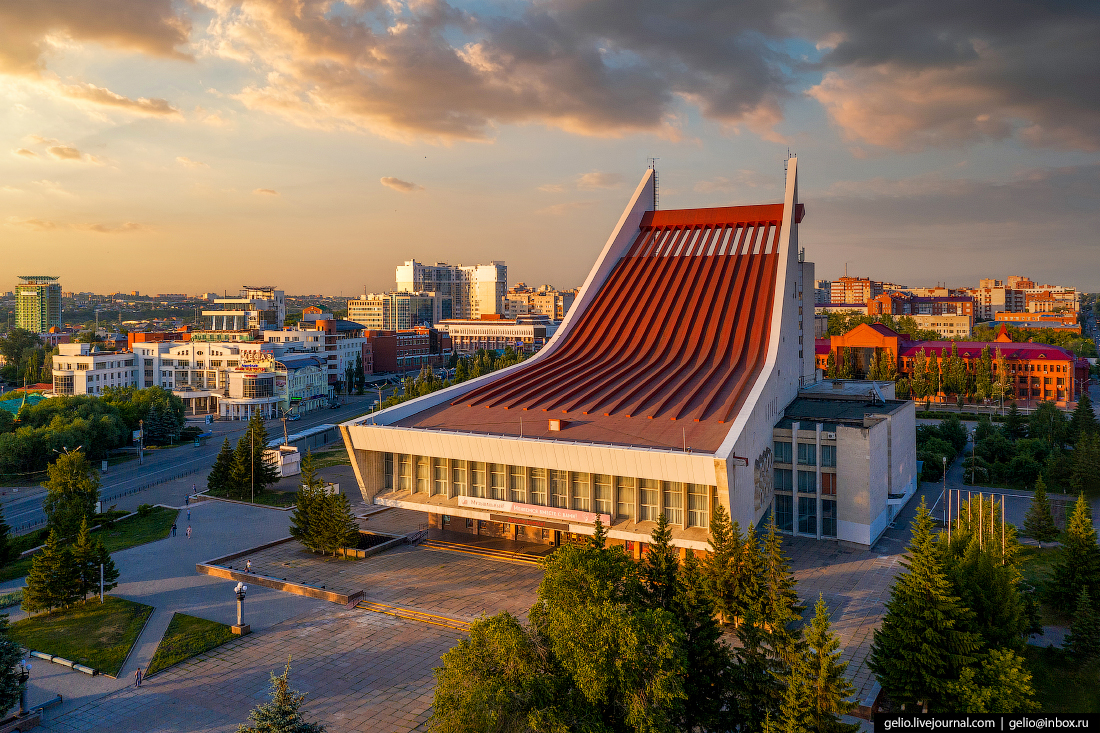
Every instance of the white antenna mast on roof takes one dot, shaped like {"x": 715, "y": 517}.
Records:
{"x": 652, "y": 164}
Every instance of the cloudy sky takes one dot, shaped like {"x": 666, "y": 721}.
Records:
{"x": 192, "y": 146}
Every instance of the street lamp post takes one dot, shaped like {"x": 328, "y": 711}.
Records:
{"x": 944, "y": 489}
{"x": 24, "y": 675}
{"x": 141, "y": 442}
{"x": 240, "y": 628}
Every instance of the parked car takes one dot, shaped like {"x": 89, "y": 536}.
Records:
{"x": 293, "y": 416}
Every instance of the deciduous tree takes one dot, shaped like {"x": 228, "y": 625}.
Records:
{"x": 72, "y": 491}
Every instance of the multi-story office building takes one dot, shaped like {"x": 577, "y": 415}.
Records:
{"x": 947, "y": 325}
{"x": 81, "y": 369}
{"x": 256, "y": 308}
{"x": 400, "y": 352}
{"x": 474, "y": 290}
{"x": 38, "y": 303}
{"x": 823, "y": 292}
{"x": 904, "y": 304}
{"x": 522, "y": 300}
{"x": 338, "y": 342}
{"x": 660, "y": 394}
{"x": 399, "y": 311}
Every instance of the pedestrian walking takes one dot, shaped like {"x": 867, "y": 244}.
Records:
{"x": 188, "y": 515}
{"x": 248, "y": 566}
{"x": 189, "y": 531}
{"x": 173, "y": 529}
{"x": 137, "y": 677}
{"x": 187, "y": 501}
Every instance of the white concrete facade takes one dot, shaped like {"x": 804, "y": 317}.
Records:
{"x": 80, "y": 370}
{"x": 473, "y": 289}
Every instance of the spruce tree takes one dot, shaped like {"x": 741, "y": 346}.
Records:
{"x": 266, "y": 472}
{"x": 757, "y": 688}
{"x": 718, "y": 565}
{"x": 240, "y": 472}
{"x": 110, "y": 572}
{"x": 339, "y": 528}
{"x": 305, "y": 520}
{"x": 1000, "y": 683}
{"x": 824, "y": 677}
{"x": 1085, "y": 473}
{"x": 1083, "y": 421}
{"x": 1078, "y": 563}
{"x": 1039, "y": 522}
{"x": 85, "y": 561}
{"x": 599, "y": 535}
{"x": 991, "y": 591}
{"x": 660, "y": 566}
{"x": 283, "y": 714}
{"x": 7, "y": 552}
{"x": 51, "y": 582}
{"x": 1083, "y": 640}
{"x": 708, "y": 660}
{"x": 218, "y": 481}
{"x": 780, "y": 606}
{"x": 1014, "y": 426}
{"x": 796, "y": 708}
{"x": 922, "y": 645}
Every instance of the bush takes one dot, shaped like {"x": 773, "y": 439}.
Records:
{"x": 145, "y": 510}
{"x": 189, "y": 433}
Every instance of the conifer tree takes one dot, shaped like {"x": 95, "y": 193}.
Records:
{"x": 283, "y": 714}
{"x": 708, "y": 661}
{"x": 719, "y": 563}
{"x": 780, "y": 606}
{"x": 1039, "y": 522}
{"x": 85, "y": 561}
{"x": 1083, "y": 640}
{"x": 240, "y": 472}
{"x": 110, "y": 572}
{"x": 1085, "y": 474}
{"x": 1083, "y": 420}
{"x": 72, "y": 491}
{"x": 1000, "y": 683}
{"x": 338, "y": 525}
{"x": 660, "y": 566}
{"x": 7, "y": 552}
{"x": 990, "y": 590}
{"x": 218, "y": 481}
{"x": 922, "y": 645}
{"x": 1014, "y": 425}
{"x": 823, "y": 677}
{"x": 794, "y": 714}
{"x": 599, "y": 535}
{"x": 305, "y": 519}
{"x": 51, "y": 582}
{"x": 1078, "y": 563}
{"x": 757, "y": 688}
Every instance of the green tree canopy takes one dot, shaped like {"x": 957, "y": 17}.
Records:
{"x": 72, "y": 491}
{"x": 283, "y": 713}
{"x": 1039, "y": 521}
{"x": 1077, "y": 565}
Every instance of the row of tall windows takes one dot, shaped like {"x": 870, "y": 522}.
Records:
{"x": 807, "y": 515}
{"x": 807, "y": 454}
{"x": 643, "y": 500}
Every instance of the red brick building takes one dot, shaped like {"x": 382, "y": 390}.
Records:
{"x": 405, "y": 351}
{"x": 1036, "y": 371}
{"x": 904, "y": 304}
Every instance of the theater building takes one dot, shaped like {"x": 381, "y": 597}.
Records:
{"x": 659, "y": 394}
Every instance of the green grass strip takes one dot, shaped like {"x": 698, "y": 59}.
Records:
{"x": 186, "y": 637}
{"x": 95, "y": 634}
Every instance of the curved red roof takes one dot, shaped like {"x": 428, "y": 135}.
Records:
{"x": 679, "y": 331}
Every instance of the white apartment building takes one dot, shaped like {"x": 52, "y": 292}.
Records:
{"x": 337, "y": 341}
{"x": 946, "y": 325}
{"x": 256, "y": 308}
{"x": 399, "y": 311}
{"x": 81, "y": 369}
{"x": 523, "y": 333}
{"x": 474, "y": 290}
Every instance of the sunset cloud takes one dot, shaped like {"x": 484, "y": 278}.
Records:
{"x": 599, "y": 179}
{"x": 188, "y": 163}
{"x": 36, "y": 225}
{"x": 266, "y": 192}
{"x": 26, "y": 153}
{"x": 398, "y": 185}
{"x": 107, "y": 98}
{"x": 43, "y": 225}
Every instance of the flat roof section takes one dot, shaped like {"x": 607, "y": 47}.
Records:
{"x": 841, "y": 412}
{"x": 667, "y": 350}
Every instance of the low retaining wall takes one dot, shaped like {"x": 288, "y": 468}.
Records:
{"x": 298, "y": 589}
{"x": 382, "y": 547}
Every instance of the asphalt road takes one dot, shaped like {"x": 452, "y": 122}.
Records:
{"x": 23, "y": 507}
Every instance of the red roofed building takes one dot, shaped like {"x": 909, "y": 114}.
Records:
{"x": 1037, "y": 371}
{"x": 657, "y": 395}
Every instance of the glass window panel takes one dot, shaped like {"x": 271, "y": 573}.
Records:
{"x": 517, "y": 483}
{"x": 404, "y": 477}
{"x": 477, "y": 479}
{"x": 784, "y": 479}
{"x": 648, "y": 496}
{"x": 828, "y": 456}
{"x": 458, "y": 477}
{"x": 784, "y": 512}
{"x": 624, "y": 490}
{"x": 782, "y": 451}
{"x": 807, "y": 454}
{"x": 828, "y": 484}
{"x": 674, "y": 501}
{"x": 388, "y": 476}
{"x": 538, "y": 486}
{"x": 807, "y": 482}
{"x": 496, "y": 481}
{"x": 422, "y": 469}
{"x": 559, "y": 488}
{"x": 807, "y": 515}
{"x": 603, "y": 493}
{"x": 828, "y": 518}
{"x": 439, "y": 476}
{"x": 582, "y": 487}
{"x": 698, "y": 511}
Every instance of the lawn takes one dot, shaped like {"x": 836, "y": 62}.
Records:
{"x": 330, "y": 458}
{"x": 95, "y": 634}
{"x": 266, "y": 497}
{"x": 1035, "y": 569}
{"x": 186, "y": 637}
{"x": 1061, "y": 686}
{"x": 156, "y": 525}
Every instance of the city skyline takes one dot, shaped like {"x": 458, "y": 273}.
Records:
{"x": 169, "y": 148}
